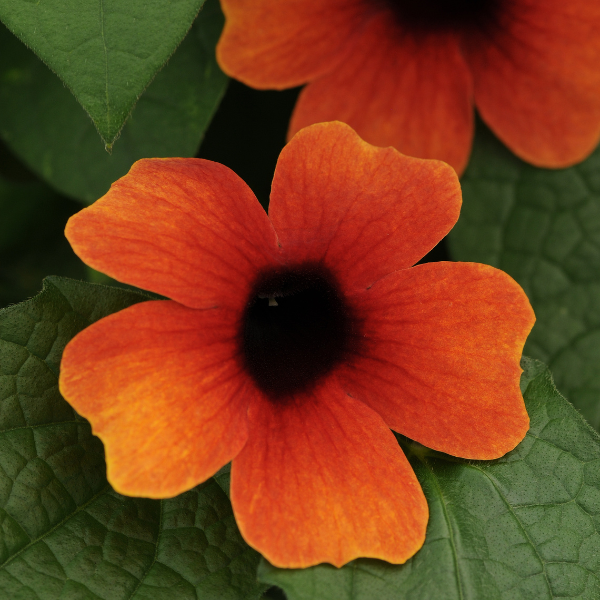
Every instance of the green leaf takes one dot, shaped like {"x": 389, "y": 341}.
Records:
{"x": 105, "y": 52}
{"x": 64, "y": 533}
{"x": 543, "y": 228}
{"x": 43, "y": 124}
{"x": 524, "y": 527}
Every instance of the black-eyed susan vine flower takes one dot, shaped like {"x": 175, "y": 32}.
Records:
{"x": 293, "y": 342}
{"x": 407, "y": 73}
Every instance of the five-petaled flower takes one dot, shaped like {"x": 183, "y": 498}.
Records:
{"x": 294, "y": 342}
{"x": 407, "y": 73}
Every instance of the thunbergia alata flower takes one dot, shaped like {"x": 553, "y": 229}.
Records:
{"x": 407, "y": 73}
{"x": 294, "y": 342}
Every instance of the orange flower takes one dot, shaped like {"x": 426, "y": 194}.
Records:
{"x": 294, "y": 341}
{"x": 406, "y": 73}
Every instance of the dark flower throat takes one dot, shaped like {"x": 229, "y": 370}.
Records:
{"x": 436, "y": 15}
{"x": 296, "y": 327}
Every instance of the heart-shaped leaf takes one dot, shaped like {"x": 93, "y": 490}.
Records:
{"x": 43, "y": 124}
{"x": 106, "y": 52}
{"x": 64, "y": 533}
{"x": 543, "y": 228}
{"x": 525, "y": 526}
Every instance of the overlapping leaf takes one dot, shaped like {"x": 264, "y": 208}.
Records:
{"x": 106, "y": 51}
{"x": 64, "y": 533}
{"x": 524, "y": 527}
{"x": 543, "y": 228}
{"x": 45, "y": 127}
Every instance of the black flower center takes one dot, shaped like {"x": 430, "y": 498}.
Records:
{"x": 436, "y": 15}
{"x": 296, "y": 327}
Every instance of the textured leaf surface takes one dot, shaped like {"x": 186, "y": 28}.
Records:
{"x": 543, "y": 228}
{"x": 105, "y": 51}
{"x": 524, "y": 527}
{"x": 64, "y": 533}
{"x": 43, "y": 124}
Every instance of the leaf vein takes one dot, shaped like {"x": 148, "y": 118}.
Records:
{"x": 57, "y": 526}
{"x": 42, "y": 425}
{"x": 450, "y": 530}
{"x": 520, "y": 524}
{"x": 105, "y": 63}
{"x": 155, "y": 559}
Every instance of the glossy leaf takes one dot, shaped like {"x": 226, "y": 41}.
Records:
{"x": 43, "y": 124}
{"x": 543, "y": 228}
{"x": 64, "y": 533}
{"x": 105, "y": 52}
{"x": 524, "y": 527}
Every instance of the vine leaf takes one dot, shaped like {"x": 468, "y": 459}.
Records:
{"x": 45, "y": 127}
{"x": 64, "y": 533}
{"x": 105, "y": 52}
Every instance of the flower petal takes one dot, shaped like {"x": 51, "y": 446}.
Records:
{"x": 163, "y": 390}
{"x": 185, "y": 228}
{"x": 322, "y": 479}
{"x": 365, "y": 211}
{"x": 537, "y": 81}
{"x": 412, "y": 93}
{"x": 275, "y": 44}
{"x": 441, "y": 364}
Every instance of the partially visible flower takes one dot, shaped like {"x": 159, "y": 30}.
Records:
{"x": 407, "y": 73}
{"x": 294, "y": 341}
